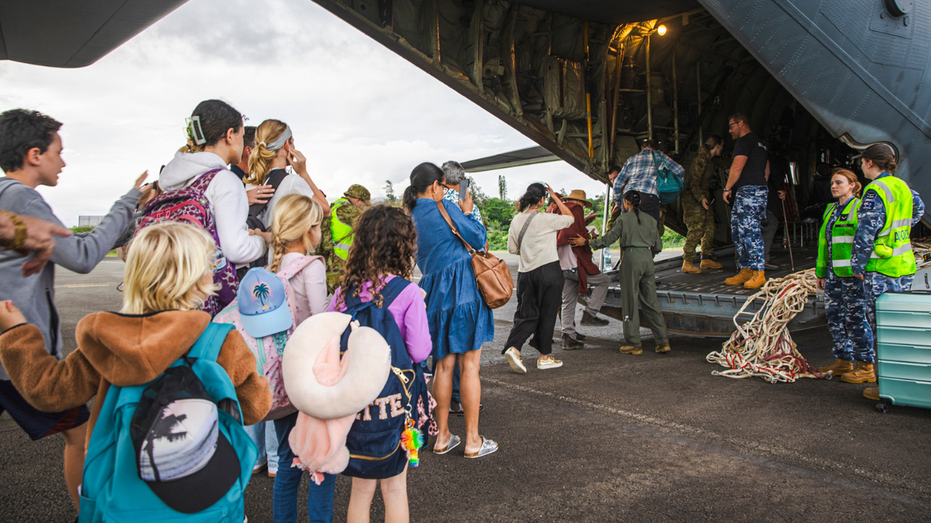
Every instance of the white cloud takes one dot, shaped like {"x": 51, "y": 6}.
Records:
{"x": 359, "y": 112}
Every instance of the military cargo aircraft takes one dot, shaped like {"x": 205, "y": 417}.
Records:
{"x": 586, "y": 79}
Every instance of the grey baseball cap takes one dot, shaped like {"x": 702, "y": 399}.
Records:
{"x": 876, "y": 151}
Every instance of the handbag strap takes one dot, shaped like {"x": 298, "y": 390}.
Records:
{"x": 523, "y": 230}
{"x": 449, "y": 221}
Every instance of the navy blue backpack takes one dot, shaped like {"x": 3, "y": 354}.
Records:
{"x": 374, "y": 441}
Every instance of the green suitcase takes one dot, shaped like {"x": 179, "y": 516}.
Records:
{"x": 903, "y": 348}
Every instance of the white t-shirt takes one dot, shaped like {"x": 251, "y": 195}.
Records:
{"x": 291, "y": 184}
{"x": 539, "y": 244}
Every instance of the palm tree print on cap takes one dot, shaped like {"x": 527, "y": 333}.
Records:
{"x": 261, "y": 291}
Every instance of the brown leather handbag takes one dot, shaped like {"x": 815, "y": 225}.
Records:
{"x": 491, "y": 273}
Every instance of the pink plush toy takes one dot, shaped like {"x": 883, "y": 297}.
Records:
{"x": 328, "y": 390}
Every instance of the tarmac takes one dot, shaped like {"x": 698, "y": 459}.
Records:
{"x": 607, "y": 437}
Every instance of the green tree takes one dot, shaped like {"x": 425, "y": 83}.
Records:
{"x": 389, "y": 192}
{"x": 502, "y": 187}
{"x": 498, "y": 210}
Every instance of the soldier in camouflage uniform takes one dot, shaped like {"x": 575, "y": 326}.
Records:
{"x": 338, "y": 236}
{"x": 696, "y": 207}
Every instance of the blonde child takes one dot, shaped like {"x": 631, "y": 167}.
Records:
{"x": 169, "y": 276}
{"x": 383, "y": 249}
{"x": 295, "y": 228}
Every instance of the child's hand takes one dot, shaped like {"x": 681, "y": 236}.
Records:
{"x": 10, "y": 315}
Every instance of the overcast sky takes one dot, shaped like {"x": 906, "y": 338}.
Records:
{"x": 360, "y": 113}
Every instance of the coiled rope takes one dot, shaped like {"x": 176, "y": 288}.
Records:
{"x": 763, "y": 347}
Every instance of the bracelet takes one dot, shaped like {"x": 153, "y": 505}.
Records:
{"x": 19, "y": 238}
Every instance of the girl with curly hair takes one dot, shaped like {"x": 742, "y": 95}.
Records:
{"x": 383, "y": 249}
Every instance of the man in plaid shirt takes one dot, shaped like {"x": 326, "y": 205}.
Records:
{"x": 639, "y": 174}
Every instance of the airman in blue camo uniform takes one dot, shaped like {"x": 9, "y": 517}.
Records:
{"x": 882, "y": 252}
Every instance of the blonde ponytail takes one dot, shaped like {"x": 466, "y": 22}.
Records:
{"x": 294, "y": 215}
{"x": 261, "y": 157}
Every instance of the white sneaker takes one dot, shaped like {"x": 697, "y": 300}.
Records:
{"x": 549, "y": 363}
{"x": 513, "y": 358}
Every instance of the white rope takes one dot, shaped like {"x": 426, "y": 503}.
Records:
{"x": 763, "y": 346}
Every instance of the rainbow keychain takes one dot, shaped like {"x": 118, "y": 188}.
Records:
{"x": 411, "y": 440}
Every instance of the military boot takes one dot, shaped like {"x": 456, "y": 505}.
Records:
{"x": 741, "y": 277}
{"x": 838, "y": 368}
{"x": 756, "y": 281}
{"x": 862, "y": 374}
{"x": 630, "y": 349}
{"x": 710, "y": 264}
{"x": 590, "y": 320}
{"x": 871, "y": 393}
{"x": 689, "y": 268}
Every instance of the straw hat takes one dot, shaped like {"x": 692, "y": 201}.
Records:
{"x": 579, "y": 196}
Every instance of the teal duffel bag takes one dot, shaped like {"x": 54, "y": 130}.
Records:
{"x": 668, "y": 183}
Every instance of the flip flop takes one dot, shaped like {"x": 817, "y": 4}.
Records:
{"x": 488, "y": 447}
{"x": 454, "y": 442}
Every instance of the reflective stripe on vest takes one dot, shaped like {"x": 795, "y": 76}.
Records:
{"x": 339, "y": 231}
{"x": 895, "y": 234}
{"x": 842, "y": 233}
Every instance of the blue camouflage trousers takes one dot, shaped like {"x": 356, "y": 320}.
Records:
{"x": 875, "y": 285}
{"x": 746, "y": 216}
{"x": 845, "y": 304}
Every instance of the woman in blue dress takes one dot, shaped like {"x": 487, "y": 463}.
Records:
{"x": 460, "y": 321}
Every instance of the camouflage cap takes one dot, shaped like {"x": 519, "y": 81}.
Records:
{"x": 357, "y": 191}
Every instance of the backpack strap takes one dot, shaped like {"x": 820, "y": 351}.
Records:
{"x": 274, "y": 179}
{"x": 388, "y": 293}
{"x": 297, "y": 266}
{"x": 200, "y": 185}
{"x": 210, "y": 342}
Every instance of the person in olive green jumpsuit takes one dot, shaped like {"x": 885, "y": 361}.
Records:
{"x": 640, "y": 242}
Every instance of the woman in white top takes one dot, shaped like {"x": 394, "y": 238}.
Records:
{"x": 539, "y": 278}
{"x": 215, "y": 141}
{"x": 274, "y": 149}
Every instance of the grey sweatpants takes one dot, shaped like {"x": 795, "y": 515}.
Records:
{"x": 570, "y": 296}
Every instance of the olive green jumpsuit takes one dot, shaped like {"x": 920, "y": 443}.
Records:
{"x": 640, "y": 242}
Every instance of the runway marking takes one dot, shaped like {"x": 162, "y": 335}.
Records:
{"x": 744, "y": 446}
{"x": 84, "y": 286}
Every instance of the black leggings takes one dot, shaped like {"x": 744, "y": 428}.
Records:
{"x": 539, "y": 298}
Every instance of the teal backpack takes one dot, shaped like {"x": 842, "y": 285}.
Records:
{"x": 112, "y": 490}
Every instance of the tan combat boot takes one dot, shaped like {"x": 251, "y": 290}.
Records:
{"x": 630, "y": 349}
{"x": 862, "y": 374}
{"x": 871, "y": 393}
{"x": 756, "y": 281}
{"x": 838, "y": 368}
{"x": 689, "y": 268}
{"x": 711, "y": 264}
{"x": 741, "y": 277}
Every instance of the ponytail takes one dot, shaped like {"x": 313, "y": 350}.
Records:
{"x": 634, "y": 198}
{"x": 423, "y": 176}
{"x": 260, "y": 160}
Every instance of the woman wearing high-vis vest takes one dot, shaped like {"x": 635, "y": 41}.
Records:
{"x": 882, "y": 254}
{"x": 844, "y": 299}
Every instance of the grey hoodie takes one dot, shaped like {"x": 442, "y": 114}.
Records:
{"x": 35, "y": 295}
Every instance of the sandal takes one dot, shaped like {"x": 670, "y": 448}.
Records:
{"x": 454, "y": 442}
{"x": 488, "y": 447}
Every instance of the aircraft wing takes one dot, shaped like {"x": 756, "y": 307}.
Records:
{"x": 69, "y": 33}
{"x": 529, "y": 156}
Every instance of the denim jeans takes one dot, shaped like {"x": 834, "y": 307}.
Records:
{"x": 266, "y": 440}
{"x": 284, "y": 497}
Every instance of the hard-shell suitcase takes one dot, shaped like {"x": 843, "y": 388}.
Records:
{"x": 903, "y": 348}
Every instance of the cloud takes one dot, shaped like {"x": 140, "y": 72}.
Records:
{"x": 360, "y": 113}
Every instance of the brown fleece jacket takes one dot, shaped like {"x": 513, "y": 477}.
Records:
{"x": 124, "y": 351}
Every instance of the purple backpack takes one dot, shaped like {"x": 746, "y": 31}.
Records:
{"x": 189, "y": 205}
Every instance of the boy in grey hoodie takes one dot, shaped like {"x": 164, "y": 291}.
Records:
{"x": 30, "y": 155}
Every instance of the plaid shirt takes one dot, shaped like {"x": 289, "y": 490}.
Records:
{"x": 639, "y": 174}
{"x": 453, "y": 196}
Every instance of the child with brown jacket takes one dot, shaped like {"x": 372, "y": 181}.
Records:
{"x": 169, "y": 273}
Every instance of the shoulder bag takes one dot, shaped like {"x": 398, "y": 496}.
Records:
{"x": 668, "y": 183}
{"x": 491, "y": 273}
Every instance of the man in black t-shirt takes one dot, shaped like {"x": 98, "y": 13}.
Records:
{"x": 746, "y": 187}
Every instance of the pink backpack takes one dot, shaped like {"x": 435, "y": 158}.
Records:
{"x": 268, "y": 350}
{"x": 190, "y": 205}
